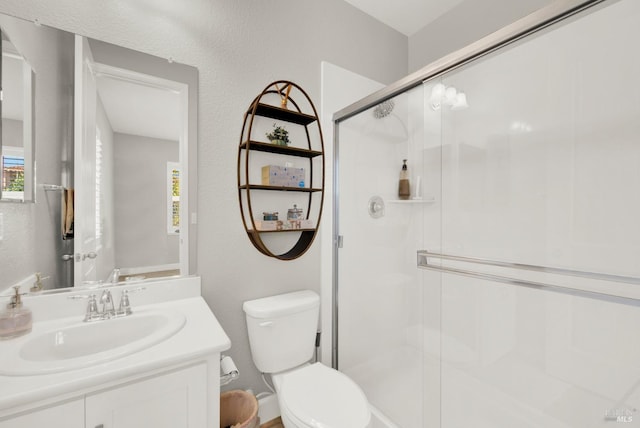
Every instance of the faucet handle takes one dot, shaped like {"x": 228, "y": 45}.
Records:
{"x": 92, "y": 313}
{"x": 125, "y": 307}
{"x": 92, "y": 309}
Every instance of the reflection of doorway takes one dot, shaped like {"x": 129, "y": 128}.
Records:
{"x": 140, "y": 126}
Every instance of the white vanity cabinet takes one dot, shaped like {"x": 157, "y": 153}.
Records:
{"x": 174, "y": 383}
{"x": 173, "y": 400}
{"x": 182, "y": 398}
{"x": 67, "y": 415}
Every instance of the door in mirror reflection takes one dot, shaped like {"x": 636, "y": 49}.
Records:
{"x": 86, "y": 165}
{"x": 129, "y": 130}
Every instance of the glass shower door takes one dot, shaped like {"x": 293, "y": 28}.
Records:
{"x": 542, "y": 169}
{"x": 380, "y": 293}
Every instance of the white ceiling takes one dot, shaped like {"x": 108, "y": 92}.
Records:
{"x": 406, "y": 16}
{"x": 137, "y": 109}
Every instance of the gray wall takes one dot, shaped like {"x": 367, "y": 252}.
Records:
{"x": 32, "y": 240}
{"x": 469, "y": 21}
{"x": 140, "y": 196}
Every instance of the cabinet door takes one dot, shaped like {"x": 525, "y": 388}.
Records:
{"x": 67, "y": 415}
{"x": 173, "y": 400}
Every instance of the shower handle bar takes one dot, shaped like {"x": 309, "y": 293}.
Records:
{"x": 536, "y": 285}
{"x": 423, "y": 262}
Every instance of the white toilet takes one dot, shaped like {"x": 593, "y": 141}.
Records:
{"x": 282, "y": 331}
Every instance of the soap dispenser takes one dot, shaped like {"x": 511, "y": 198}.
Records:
{"x": 403, "y": 186}
{"x": 16, "y": 320}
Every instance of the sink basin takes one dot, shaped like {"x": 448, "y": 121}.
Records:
{"x": 79, "y": 344}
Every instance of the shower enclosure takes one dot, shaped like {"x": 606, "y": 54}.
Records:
{"x": 505, "y": 292}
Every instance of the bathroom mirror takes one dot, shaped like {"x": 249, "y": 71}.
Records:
{"x": 115, "y": 145}
{"x": 16, "y": 138}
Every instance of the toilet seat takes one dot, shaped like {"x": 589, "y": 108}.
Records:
{"x": 321, "y": 397}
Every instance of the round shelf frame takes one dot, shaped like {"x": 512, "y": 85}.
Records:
{"x": 296, "y": 116}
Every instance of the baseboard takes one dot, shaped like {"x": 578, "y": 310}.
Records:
{"x": 268, "y": 408}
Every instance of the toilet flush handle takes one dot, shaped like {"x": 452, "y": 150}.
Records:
{"x": 266, "y": 324}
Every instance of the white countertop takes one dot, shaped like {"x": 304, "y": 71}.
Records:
{"x": 201, "y": 337}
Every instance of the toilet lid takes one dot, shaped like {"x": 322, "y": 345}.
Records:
{"x": 322, "y": 397}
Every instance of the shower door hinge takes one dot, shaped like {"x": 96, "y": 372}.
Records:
{"x": 340, "y": 241}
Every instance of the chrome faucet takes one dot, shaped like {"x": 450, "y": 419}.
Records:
{"x": 108, "y": 309}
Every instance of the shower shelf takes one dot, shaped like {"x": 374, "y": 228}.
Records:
{"x": 264, "y": 106}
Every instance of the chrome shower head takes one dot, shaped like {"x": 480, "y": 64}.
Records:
{"x": 383, "y": 109}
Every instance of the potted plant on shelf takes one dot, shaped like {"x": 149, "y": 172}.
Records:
{"x": 279, "y": 136}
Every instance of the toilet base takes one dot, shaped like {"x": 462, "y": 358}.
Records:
{"x": 350, "y": 410}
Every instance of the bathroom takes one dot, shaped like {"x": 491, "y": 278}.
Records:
{"x": 232, "y": 45}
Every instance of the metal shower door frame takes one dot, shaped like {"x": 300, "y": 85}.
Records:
{"x": 558, "y": 11}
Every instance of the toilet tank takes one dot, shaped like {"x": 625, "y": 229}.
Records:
{"x": 282, "y": 329}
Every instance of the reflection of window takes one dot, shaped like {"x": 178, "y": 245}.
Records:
{"x": 173, "y": 198}
{"x": 12, "y": 166}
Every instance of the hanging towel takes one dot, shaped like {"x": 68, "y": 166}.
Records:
{"x": 67, "y": 214}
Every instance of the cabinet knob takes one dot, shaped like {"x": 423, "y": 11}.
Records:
{"x": 100, "y": 426}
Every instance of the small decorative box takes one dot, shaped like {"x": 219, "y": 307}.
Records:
{"x": 268, "y": 225}
{"x": 274, "y": 175}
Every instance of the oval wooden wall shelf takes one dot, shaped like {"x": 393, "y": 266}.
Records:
{"x": 287, "y": 104}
